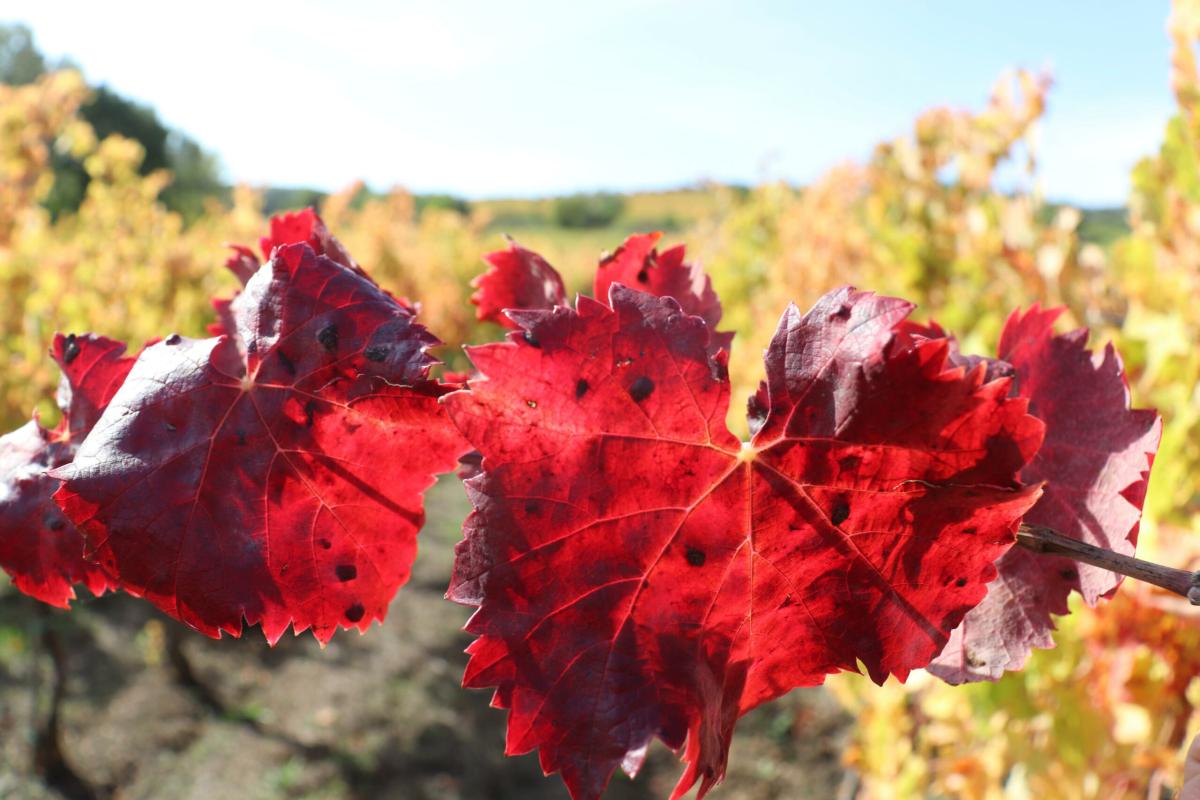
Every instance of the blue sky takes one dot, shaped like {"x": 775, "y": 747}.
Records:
{"x": 528, "y": 98}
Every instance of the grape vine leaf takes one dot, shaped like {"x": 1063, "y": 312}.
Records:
{"x": 516, "y": 278}
{"x": 638, "y": 264}
{"x": 293, "y": 227}
{"x": 521, "y": 279}
{"x": 242, "y": 262}
{"x": 638, "y": 572}
{"x": 306, "y": 227}
{"x": 1095, "y": 463}
{"x": 277, "y": 481}
{"x": 39, "y": 548}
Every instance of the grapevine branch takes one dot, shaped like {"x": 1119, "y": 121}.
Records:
{"x": 1040, "y": 539}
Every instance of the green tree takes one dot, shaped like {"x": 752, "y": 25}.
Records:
{"x": 196, "y": 171}
{"x": 20, "y": 60}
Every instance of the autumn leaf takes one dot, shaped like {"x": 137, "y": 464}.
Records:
{"x": 638, "y": 264}
{"x": 639, "y": 572}
{"x": 273, "y": 474}
{"x": 306, "y": 227}
{"x": 1095, "y": 463}
{"x": 39, "y": 548}
{"x": 516, "y": 278}
{"x": 293, "y": 227}
{"x": 521, "y": 279}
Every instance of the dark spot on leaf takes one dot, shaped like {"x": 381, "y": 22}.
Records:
{"x": 533, "y": 509}
{"x": 961, "y": 582}
{"x": 720, "y": 372}
{"x": 640, "y": 389}
{"x": 975, "y": 661}
{"x": 328, "y": 337}
{"x": 696, "y": 557}
{"x": 347, "y": 572}
{"x": 310, "y": 409}
{"x": 376, "y": 352}
{"x": 355, "y": 612}
{"x": 530, "y": 339}
{"x": 70, "y": 349}
{"x": 287, "y": 362}
{"x": 241, "y": 437}
{"x": 325, "y": 544}
{"x": 969, "y": 531}
{"x": 643, "y": 275}
{"x": 787, "y": 601}
{"x": 840, "y": 513}
{"x": 55, "y": 523}
{"x": 843, "y": 312}
{"x": 173, "y": 339}
{"x": 849, "y": 463}
{"x": 581, "y": 388}
{"x": 1069, "y": 574}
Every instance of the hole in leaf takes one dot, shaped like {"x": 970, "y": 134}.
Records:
{"x": 640, "y": 389}
{"x": 328, "y": 337}
{"x": 70, "y": 349}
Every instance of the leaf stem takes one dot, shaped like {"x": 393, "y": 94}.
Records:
{"x": 1040, "y": 539}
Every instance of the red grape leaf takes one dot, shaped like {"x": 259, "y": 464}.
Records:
{"x": 243, "y": 263}
{"x": 993, "y": 367}
{"x": 516, "y": 278}
{"x": 640, "y": 573}
{"x": 279, "y": 482}
{"x": 306, "y": 227}
{"x": 1095, "y": 463}
{"x": 39, "y": 547}
{"x": 295, "y": 227}
{"x": 638, "y": 263}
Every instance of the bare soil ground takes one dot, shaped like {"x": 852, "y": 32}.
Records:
{"x": 149, "y": 709}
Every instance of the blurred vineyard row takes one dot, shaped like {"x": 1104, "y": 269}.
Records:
{"x": 1105, "y": 714}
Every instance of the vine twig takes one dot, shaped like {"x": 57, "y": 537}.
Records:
{"x": 1040, "y": 539}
